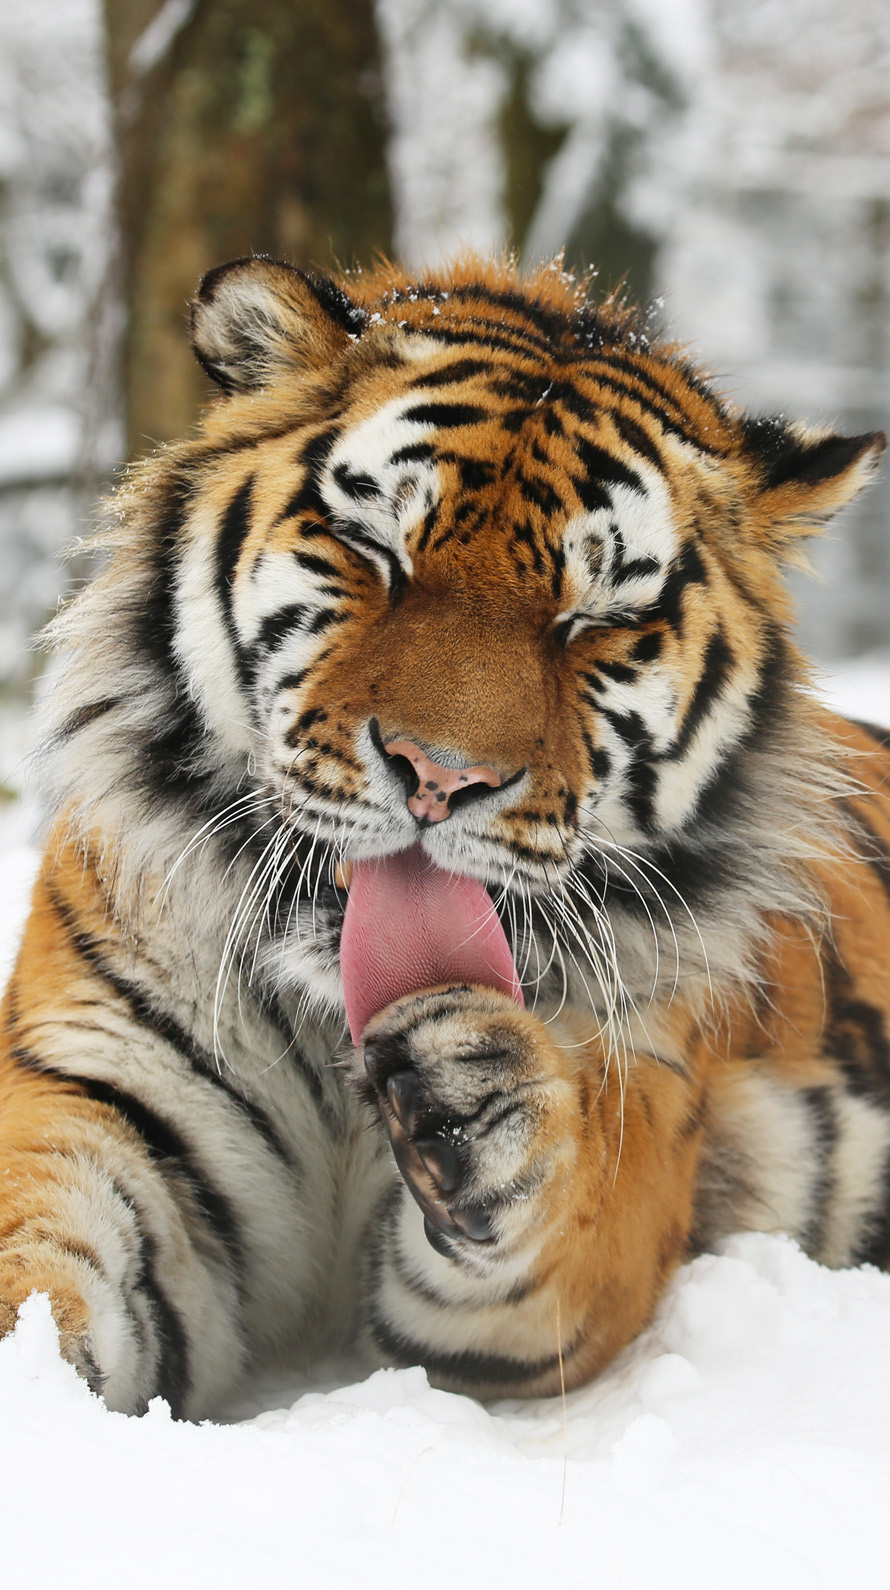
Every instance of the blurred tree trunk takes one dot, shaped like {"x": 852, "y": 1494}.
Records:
{"x": 243, "y": 126}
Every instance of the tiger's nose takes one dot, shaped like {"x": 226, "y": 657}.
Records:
{"x": 437, "y": 785}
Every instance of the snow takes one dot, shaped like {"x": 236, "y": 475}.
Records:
{"x": 37, "y": 442}
{"x": 742, "y": 1439}
{"x": 860, "y": 687}
{"x": 744, "y": 1436}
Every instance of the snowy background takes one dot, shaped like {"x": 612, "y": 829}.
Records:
{"x": 743, "y": 151}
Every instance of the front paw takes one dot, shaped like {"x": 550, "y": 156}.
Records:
{"x": 469, "y": 1089}
{"x": 70, "y": 1311}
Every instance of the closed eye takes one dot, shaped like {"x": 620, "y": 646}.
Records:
{"x": 383, "y": 558}
{"x": 360, "y": 488}
{"x": 569, "y": 626}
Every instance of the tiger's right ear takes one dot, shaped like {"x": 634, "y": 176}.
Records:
{"x": 255, "y": 319}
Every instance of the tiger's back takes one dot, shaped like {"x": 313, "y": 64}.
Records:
{"x": 456, "y": 631}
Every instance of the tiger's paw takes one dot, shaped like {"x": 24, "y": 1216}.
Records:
{"x": 71, "y": 1313}
{"x": 480, "y": 1119}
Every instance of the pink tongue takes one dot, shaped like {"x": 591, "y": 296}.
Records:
{"x": 409, "y": 925}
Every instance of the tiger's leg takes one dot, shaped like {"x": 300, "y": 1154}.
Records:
{"x": 546, "y": 1201}
{"x": 175, "y": 1219}
{"x": 87, "y": 1217}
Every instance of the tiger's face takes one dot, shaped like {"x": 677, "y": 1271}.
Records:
{"x": 481, "y": 529}
{"x": 467, "y": 593}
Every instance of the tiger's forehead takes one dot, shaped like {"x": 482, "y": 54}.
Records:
{"x": 450, "y": 445}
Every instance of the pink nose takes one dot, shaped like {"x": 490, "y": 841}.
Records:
{"x": 437, "y": 784}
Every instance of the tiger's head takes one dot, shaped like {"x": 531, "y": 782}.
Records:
{"x": 468, "y": 563}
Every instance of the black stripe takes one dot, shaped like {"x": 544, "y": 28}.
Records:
{"x": 314, "y": 564}
{"x": 601, "y": 467}
{"x": 306, "y": 500}
{"x": 717, "y": 661}
{"x": 293, "y": 681}
{"x": 598, "y": 758}
{"x": 629, "y": 725}
{"x": 874, "y": 1244}
{"x": 174, "y": 1378}
{"x": 456, "y": 370}
{"x": 640, "y": 775}
{"x": 482, "y": 333}
{"x": 520, "y": 386}
{"x": 234, "y": 529}
{"x": 341, "y": 308}
{"x": 619, "y": 672}
{"x": 274, "y": 629}
{"x": 273, "y": 1011}
{"x": 386, "y": 1227}
{"x": 730, "y": 786}
{"x": 467, "y": 1368}
{"x": 324, "y": 619}
{"x": 313, "y": 456}
{"x": 625, "y": 389}
{"x": 10, "y": 1001}
{"x": 649, "y": 646}
{"x": 568, "y": 396}
{"x": 524, "y": 535}
{"x": 154, "y": 625}
{"x": 855, "y": 1035}
{"x": 430, "y": 521}
{"x": 167, "y": 765}
{"x": 629, "y": 365}
{"x": 558, "y": 561}
{"x": 538, "y": 328}
{"x": 416, "y": 453}
{"x": 634, "y": 569}
{"x": 446, "y": 416}
{"x": 635, "y": 437}
{"x": 164, "y": 1026}
{"x": 539, "y": 493}
{"x": 687, "y": 570}
{"x": 824, "y": 1136}
{"x": 205, "y": 452}
{"x": 21, "y": 1055}
{"x": 165, "y": 1146}
{"x": 467, "y": 509}
{"x": 84, "y": 716}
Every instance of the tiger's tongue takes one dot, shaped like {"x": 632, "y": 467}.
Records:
{"x": 409, "y": 925}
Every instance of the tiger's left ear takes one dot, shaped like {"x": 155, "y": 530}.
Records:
{"x": 256, "y": 318}
{"x": 803, "y": 475}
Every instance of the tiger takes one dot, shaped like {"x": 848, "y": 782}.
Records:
{"x": 457, "y": 909}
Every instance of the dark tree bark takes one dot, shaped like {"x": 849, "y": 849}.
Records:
{"x": 260, "y": 128}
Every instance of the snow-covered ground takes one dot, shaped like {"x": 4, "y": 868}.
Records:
{"x": 742, "y": 1440}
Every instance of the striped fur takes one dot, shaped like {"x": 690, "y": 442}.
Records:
{"x": 480, "y": 514}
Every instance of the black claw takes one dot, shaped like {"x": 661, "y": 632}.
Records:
{"x": 403, "y": 1092}
{"x": 375, "y": 1062}
{"x": 442, "y": 1160}
{"x": 475, "y": 1223}
{"x": 437, "y": 1239}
